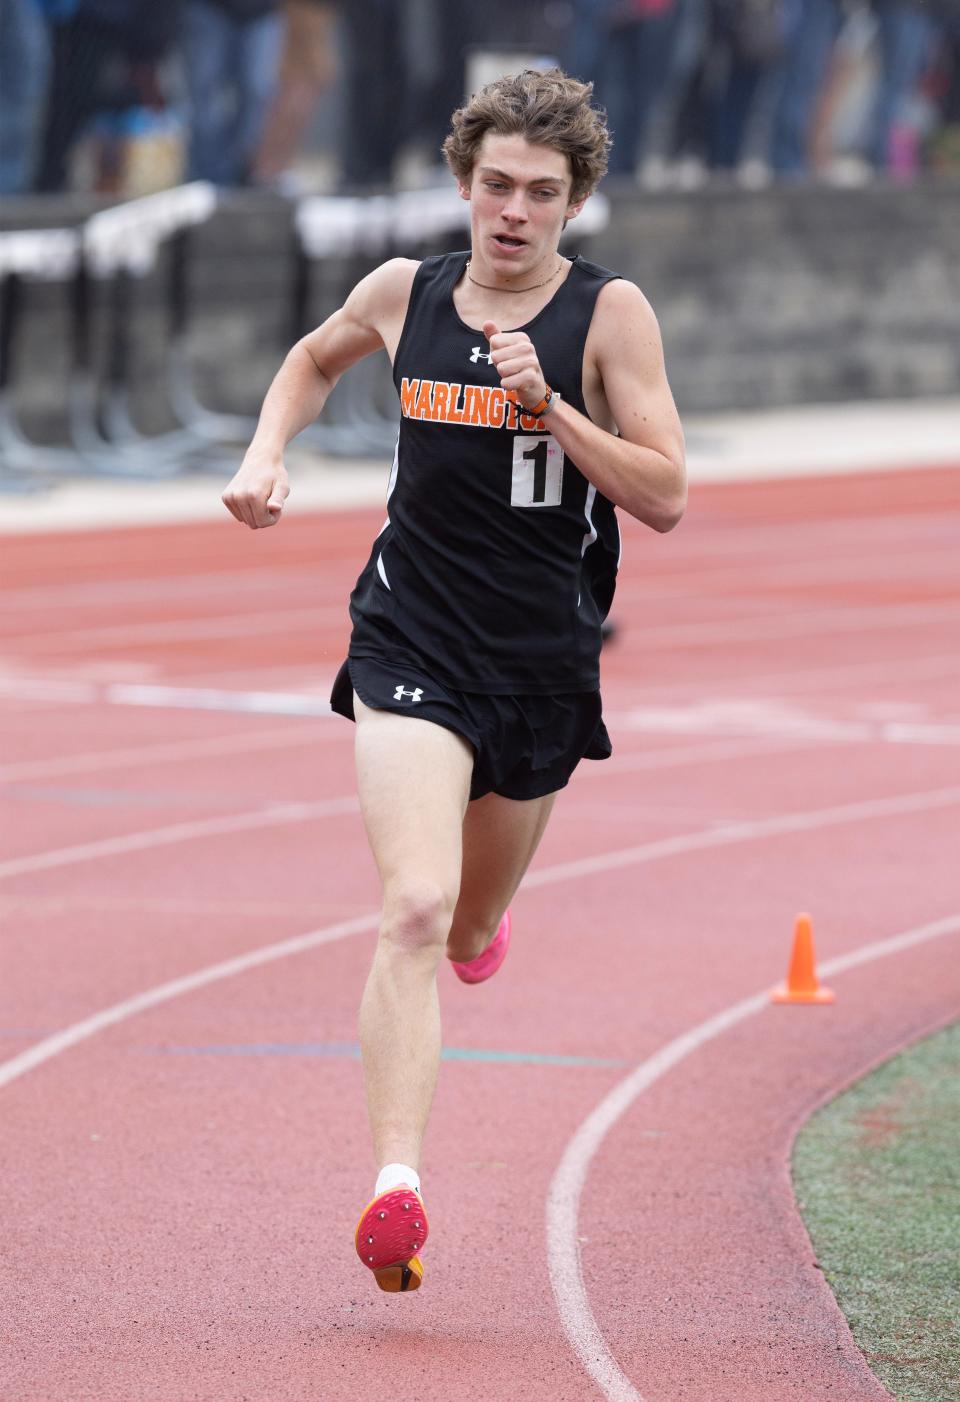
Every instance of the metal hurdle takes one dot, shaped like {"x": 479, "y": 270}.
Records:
{"x": 348, "y": 237}
{"x": 121, "y": 246}
{"x": 47, "y": 255}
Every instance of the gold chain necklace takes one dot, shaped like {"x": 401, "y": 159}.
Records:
{"x": 488, "y": 287}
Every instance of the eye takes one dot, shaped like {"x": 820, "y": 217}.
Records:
{"x": 546, "y": 194}
{"x": 495, "y": 185}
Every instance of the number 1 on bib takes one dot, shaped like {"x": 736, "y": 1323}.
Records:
{"x": 537, "y": 471}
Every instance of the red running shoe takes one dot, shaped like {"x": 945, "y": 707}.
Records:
{"x": 392, "y": 1230}
{"x": 487, "y": 963}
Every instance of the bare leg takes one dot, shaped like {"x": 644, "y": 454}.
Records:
{"x": 500, "y": 836}
{"x": 414, "y": 784}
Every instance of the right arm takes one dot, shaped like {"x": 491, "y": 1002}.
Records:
{"x": 370, "y": 318}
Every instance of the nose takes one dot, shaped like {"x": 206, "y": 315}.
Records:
{"x": 515, "y": 209}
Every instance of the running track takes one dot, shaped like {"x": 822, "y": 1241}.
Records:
{"x": 188, "y": 913}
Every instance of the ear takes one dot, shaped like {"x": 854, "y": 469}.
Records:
{"x": 574, "y": 209}
{"x": 463, "y": 189}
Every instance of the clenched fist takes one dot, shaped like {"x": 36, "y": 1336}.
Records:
{"x": 515, "y": 359}
{"x": 256, "y": 494}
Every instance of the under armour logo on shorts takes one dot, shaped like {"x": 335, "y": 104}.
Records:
{"x": 401, "y": 694}
{"x": 479, "y": 354}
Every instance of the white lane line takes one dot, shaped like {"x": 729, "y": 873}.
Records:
{"x": 933, "y": 666}
{"x": 197, "y": 698}
{"x": 231, "y": 625}
{"x": 179, "y": 832}
{"x": 304, "y": 812}
{"x": 77, "y": 692}
{"x": 881, "y": 618}
{"x": 770, "y": 716}
{"x": 166, "y": 588}
{"x": 937, "y": 560}
{"x": 732, "y": 833}
{"x": 563, "y": 871}
{"x": 95, "y": 761}
{"x": 61, "y": 1041}
{"x": 290, "y": 813}
{"x": 678, "y": 755}
{"x": 566, "y": 1187}
{"x": 702, "y": 543}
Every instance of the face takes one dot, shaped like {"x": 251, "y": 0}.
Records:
{"x": 519, "y": 197}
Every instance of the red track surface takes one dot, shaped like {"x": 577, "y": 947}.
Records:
{"x": 180, "y": 1187}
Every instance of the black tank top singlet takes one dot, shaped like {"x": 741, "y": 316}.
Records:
{"x": 498, "y": 559}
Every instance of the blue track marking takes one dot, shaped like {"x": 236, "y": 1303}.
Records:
{"x": 351, "y": 1050}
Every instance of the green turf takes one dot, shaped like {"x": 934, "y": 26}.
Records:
{"x": 877, "y": 1176}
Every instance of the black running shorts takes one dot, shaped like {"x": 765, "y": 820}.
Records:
{"x": 523, "y": 746}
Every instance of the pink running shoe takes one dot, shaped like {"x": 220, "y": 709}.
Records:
{"x": 487, "y": 963}
{"x": 390, "y": 1236}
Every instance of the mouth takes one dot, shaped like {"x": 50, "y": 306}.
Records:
{"x": 509, "y": 241}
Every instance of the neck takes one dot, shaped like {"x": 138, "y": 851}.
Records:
{"x": 546, "y": 271}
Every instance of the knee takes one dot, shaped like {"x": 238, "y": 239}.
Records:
{"x": 416, "y": 916}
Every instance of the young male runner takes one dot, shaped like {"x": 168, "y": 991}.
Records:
{"x": 533, "y": 399}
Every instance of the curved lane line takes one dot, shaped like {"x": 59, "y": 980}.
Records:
{"x": 586, "y": 866}
{"x": 563, "y": 1201}
{"x": 58, "y": 1042}
{"x": 566, "y": 1187}
{"x": 178, "y": 832}
{"x": 79, "y": 1032}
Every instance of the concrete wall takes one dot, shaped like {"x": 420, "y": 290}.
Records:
{"x": 765, "y": 298}
{"x": 798, "y": 295}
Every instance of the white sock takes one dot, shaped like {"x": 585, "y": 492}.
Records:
{"x": 396, "y": 1175}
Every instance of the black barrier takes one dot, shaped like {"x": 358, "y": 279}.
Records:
{"x": 28, "y": 256}
{"x": 121, "y": 246}
{"x": 205, "y": 425}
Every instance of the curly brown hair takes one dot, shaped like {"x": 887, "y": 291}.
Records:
{"x": 548, "y": 109}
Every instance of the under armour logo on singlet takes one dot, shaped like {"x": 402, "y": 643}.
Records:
{"x": 479, "y": 354}
{"x": 401, "y": 694}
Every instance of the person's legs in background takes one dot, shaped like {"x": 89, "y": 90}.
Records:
{"x": 258, "y": 47}
{"x": 376, "y": 113}
{"x": 24, "y": 63}
{"x": 79, "y": 50}
{"x": 584, "y": 39}
{"x": 657, "y": 76}
{"x": 618, "y": 92}
{"x": 307, "y": 69}
{"x": 209, "y": 60}
{"x": 730, "y": 111}
{"x": 810, "y": 42}
{"x": 907, "y": 37}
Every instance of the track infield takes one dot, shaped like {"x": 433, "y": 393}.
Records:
{"x": 877, "y": 1176}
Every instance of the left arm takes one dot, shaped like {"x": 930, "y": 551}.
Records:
{"x": 643, "y": 469}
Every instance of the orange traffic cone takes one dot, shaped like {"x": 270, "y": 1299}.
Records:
{"x": 802, "y": 985}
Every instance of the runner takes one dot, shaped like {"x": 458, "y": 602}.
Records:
{"x": 534, "y": 399}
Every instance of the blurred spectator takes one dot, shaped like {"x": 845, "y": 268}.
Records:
{"x": 747, "y": 42}
{"x": 944, "y": 134}
{"x": 377, "y": 117}
{"x": 231, "y": 54}
{"x": 585, "y": 36}
{"x": 633, "y": 63}
{"x": 307, "y": 69}
{"x": 741, "y": 47}
{"x": 23, "y": 82}
{"x": 909, "y": 34}
{"x": 104, "y": 59}
{"x": 444, "y": 33}
{"x": 810, "y": 41}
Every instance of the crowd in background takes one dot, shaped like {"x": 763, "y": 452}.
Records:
{"x": 123, "y": 95}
